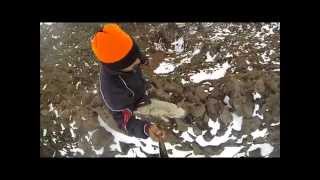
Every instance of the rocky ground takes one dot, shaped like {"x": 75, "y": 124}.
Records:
{"x": 225, "y": 75}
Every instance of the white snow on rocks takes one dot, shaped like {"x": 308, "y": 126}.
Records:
{"x": 178, "y": 45}
{"x": 164, "y": 68}
{"x": 257, "y": 133}
{"x": 256, "y": 95}
{"x": 265, "y": 148}
{"x": 211, "y": 73}
{"x": 256, "y": 108}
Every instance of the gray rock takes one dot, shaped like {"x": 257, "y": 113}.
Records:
{"x": 214, "y": 107}
{"x": 101, "y": 138}
{"x": 226, "y": 116}
{"x": 197, "y": 131}
{"x": 255, "y": 153}
{"x": 207, "y": 136}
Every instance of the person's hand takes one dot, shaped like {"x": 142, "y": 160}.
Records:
{"x": 157, "y": 134}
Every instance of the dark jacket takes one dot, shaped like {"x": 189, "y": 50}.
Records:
{"x": 122, "y": 92}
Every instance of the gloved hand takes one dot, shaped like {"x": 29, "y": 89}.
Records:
{"x": 157, "y": 134}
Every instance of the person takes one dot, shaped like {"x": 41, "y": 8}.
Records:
{"x": 122, "y": 85}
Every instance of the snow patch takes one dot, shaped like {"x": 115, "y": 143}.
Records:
{"x": 256, "y": 95}
{"x": 164, "y": 68}
{"x": 211, "y": 74}
{"x": 256, "y": 108}
{"x": 257, "y": 133}
{"x": 178, "y": 45}
{"x": 265, "y": 148}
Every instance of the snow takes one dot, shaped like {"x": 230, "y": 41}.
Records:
{"x": 229, "y": 152}
{"x": 73, "y": 135}
{"x": 265, "y": 57}
{"x": 256, "y": 108}
{"x": 184, "y": 81}
{"x": 180, "y": 25}
{"x": 56, "y": 113}
{"x": 241, "y": 139}
{"x": 237, "y": 122}
{"x": 186, "y": 137}
{"x": 99, "y": 151}
{"x": 54, "y": 37}
{"x": 250, "y": 68}
{"x": 209, "y": 57}
{"x": 178, "y": 45}
{"x": 257, "y": 133}
{"x": 62, "y": 127}
{"x": 158, "y": 47}
{"x": 229, "y": 55}
{"x": 44, "y": 87}
{"x": 240, "y": 154}
{"x": 275, "y": 124}
{"x": 211, "y": 88}
{"x": 95, "y": 91}
{"x": 217, "y": 140}
{"x": 120, "y": 137}
{"x": 248, "y": 62}
{"x": 256, "y": 95}
{"x": 175, "y": 131}
{"x": 214, "y": 125}
{"x": 265, "y": 148}
{"x": 78, "y": 83}
{"x": 54, "y": 47}
{"x": 46, "y": 23}
{"x": 44, "y": 132}
{"x": 77, "y": 150}
{"x": 63, "y": 152}
{"x": 164, "y": 68}
{"x": 216, "y": 73}
{"x": 226, "y": 101}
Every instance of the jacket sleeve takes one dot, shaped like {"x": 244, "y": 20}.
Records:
{"x": 127, "y": 121}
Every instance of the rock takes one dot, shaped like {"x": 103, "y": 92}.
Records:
{"x": 213, "y": 150}
{"x": 96, "y": 101}
{"x": 183, "y": 147}
{"x": 199, "y": 92}
{"x": 214, "y": 107}
{"x": 274, "y": 135}
{"x": 250, "y": 124}
{"x": 181, "y": 126}
{"x": 255, "y": 153}
{"x": 259, "y": 140}
{"x": 276, "y": 151}
{"x": 259, "y": 86}
{"x": 206, "y": 118}
{"x": 207, "y": 136}
{"x": 243, "y": 105}
{"x": 89, "y": 124}
{"x": 198, "y": 111}
{"x": 190, "y": 96}
{"x": 226, "y": 117}
{"x": 101, "y": 138}
{"x": 44, "y": 112}
{"x": 196, "y": 148}
{"x": 125, "y": 147}
{"x": 196, "y": 131}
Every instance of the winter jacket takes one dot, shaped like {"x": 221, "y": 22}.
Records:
{"x": 122, "y": 92}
